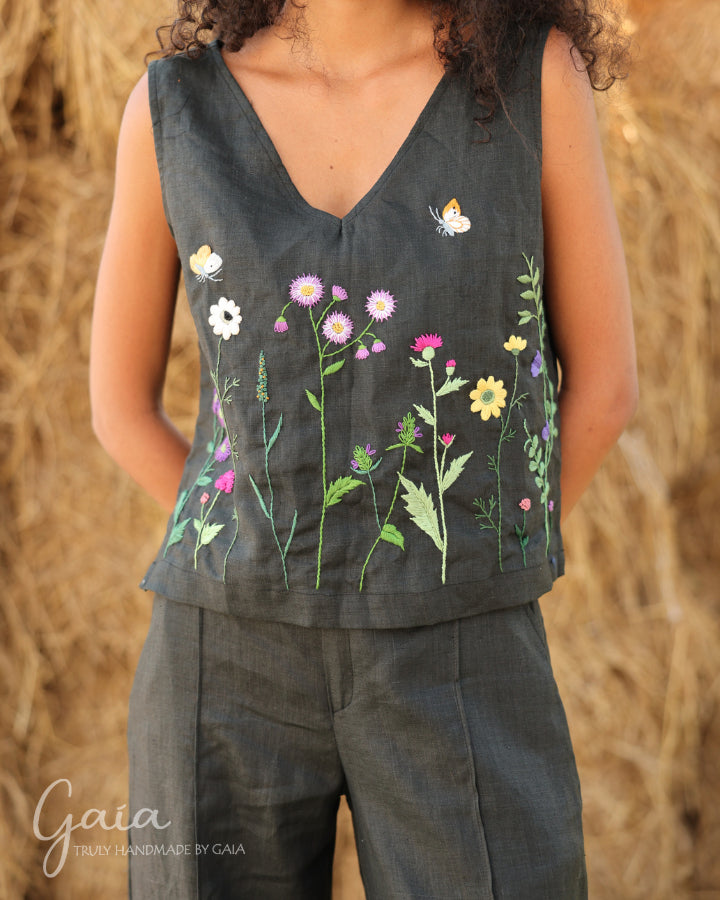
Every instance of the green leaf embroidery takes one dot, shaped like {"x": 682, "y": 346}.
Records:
{"x": 527, "y": 295}
{"x": 425, "y": 414}
{"x": 182, "y": 497}
{"x": 259, "y": 496}
{"x": 292, "y": 532}
{"x": 422, "y": 510}
{"x": 197, "y": 525}
{"x": 313, "y": 399}
{"x": 454, "y": 470}
{"x": 420, "y": 363}
{"x": 338, "y": 488}
{"x": 524, "y": 279}
{"x": 274, "y": 435}
{"x": 454, "y": 384}
{"x": 524, "y": 316}
{"x": 390, "y": 534}
{"x": 177, "y": 532}
{"x": 334, "y": 367}
{"x": 203, "y": 481}
{"x": 210, "y": 531}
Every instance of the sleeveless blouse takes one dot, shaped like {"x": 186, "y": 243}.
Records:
{"x": 377, "y": 443}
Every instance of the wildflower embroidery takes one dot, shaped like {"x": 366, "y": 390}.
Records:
{"x": 268, "y": 509}
{"x": 206, "y": 265}
{"x": 539, "y": 449}
{"x": 489, "y": 400}
{"x": 451, "y": 222}
{"x": 337, "y": 329}
{"x": 408, "y": 434}
{"x": 418, "y": 502}
{"x": 207, "y": 531}
{"x": 524, "y": 505}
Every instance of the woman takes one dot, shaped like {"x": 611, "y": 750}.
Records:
{"x": 393, "y": 221}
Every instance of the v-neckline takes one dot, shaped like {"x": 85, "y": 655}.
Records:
{"x": 279, "y": 165}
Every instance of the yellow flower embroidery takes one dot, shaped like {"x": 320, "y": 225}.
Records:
{"x": 488, "y": 398}
{"x": 515, "y": 344}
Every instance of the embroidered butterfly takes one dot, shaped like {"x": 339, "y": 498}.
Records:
{"x": 451, "y": 222}
{"x": 205, "y": 264}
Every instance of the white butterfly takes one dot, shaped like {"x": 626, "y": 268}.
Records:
{"x": 451, "y": 222}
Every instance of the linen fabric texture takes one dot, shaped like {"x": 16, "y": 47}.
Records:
{"x": 450, "y": 741}
{"x": 377, "y": 443}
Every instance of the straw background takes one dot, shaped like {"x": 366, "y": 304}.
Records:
{"x": 633, "y": 627}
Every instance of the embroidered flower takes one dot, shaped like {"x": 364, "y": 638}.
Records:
{"x": 515, "y": 344}
{"x": 206, "y": 264}
{"x": 378, "y": 346}
{"x": 427, "y": 344}
{"x": 306, "y": 290}
{"x": 362, "y": 458}
{"x": 216, "y": 408}
{"x": 362, "y": 352}
{"x": 280, "y": 325}
{"x": 380, "y": 305}
{"x": 426, "y": 340}
{"x": 536, "y": 365}
{"x": 450, "y": 367}
{"x": 447, "y": 439}
{"x": 337, "y": 327}
{"x": 525, "y": 504}
{"x": 545, "y": 433}
{"x": 262, "y": 393}
{"x": 205, "y": 497}
{"x": 223, "y": 451}
{"x": 551, "y": 505}
{"x": 339, "y": 293}
{"x": 226, "y": 481}
{"x": 225, "y": 318}
{"x": 408, "y": 430}
{"x": 488, "y": 398}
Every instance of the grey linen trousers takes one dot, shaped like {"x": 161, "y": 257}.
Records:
{"x": 449, "y": 740}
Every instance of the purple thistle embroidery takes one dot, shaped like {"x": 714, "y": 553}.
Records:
{"x": 426, "y": 340}
{"x": 536, "y": 365}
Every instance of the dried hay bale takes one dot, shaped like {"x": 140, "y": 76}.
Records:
{"x": 632, "y": 627}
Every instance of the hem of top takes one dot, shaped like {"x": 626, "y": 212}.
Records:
{"x": 254, "y": 600}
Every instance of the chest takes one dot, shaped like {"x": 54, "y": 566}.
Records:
{"x": 335, "y": 139}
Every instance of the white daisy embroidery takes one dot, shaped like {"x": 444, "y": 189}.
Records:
{"x": 225, "y": 318}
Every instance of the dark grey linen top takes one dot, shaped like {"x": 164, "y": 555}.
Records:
{"x": 377, "y": 443}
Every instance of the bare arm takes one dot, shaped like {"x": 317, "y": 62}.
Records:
{"x": 132, "y": 318}
{"x": 585, "y": 276}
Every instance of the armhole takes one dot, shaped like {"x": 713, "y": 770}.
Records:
{"x": 156, "y": 118}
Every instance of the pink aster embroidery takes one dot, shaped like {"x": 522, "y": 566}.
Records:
{"x": 337, "y": 327}
{"x": 339, "y": 293}
{"x": 223, "y": 451}
{"x": 226, "y": 481}
{"x": 306, "y": 290}
{"x": 426, "y": 340}
{"x": 378, "y": 346}
{"x": 380, "y": 305}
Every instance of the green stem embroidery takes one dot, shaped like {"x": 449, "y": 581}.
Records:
{"x": 269, "y": 509}
{"x": 418, "y": 502}
{"x": 387, "y": 532}
{"x": 540, "y": 463}
{"x": 206, "y": 531}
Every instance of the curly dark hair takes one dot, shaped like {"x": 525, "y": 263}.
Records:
{"x": 480, "y": 40}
